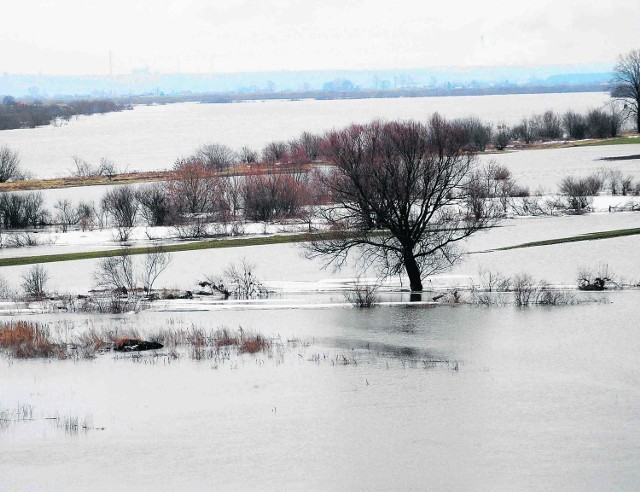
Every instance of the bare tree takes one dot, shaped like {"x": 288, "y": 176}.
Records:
{"x": 122, "y": 206}
{"x": 66, "y": 214}
{"x": 525, "y": 130}
{"x": 157, "y": 208}
{"x": 502, "y": 137}
{"x": 548, "y": 124}
{"x": 274, "y": 152}
{"x": 116, "y": 273}
{"x": 575, "y": 125}
{"x": 248, "y": 155}
{"x": 194, "y": 189}
{"x": 476, "y": 134}
{"x": 601, "y": 124}
{"x": 34, "y": 281}
{"x": 627, "y": 83}
{"x": 398, "y": 190}
{"x": 154, "y": 263}
{"x": 238, "y": 280}
{"x": 9, "y": 164}
{"x": 82, "y": 168}
{"x": 107, "y": 168}
{"x": 579, "y": 191}
{"x": 216, "y": 156}
{"x": 87, "y": 215}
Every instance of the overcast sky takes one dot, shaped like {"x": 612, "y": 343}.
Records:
{"x": 76, "y": 36}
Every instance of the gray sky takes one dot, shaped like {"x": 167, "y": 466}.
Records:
{"x": 76, "y": 36}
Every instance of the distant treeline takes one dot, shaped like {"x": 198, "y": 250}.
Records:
{"x": 357, "y": 93}
{"x": 17, "y": 114}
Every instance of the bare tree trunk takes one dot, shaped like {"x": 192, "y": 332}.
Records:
{"x": 413, "y": 272}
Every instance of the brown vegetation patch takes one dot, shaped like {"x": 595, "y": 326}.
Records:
{"x": 26, "y": 340}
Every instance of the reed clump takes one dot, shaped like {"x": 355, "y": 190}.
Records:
{"x": 25, "y": 340}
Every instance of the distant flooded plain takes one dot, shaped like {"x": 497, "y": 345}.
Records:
{"x": 151, "y": 138}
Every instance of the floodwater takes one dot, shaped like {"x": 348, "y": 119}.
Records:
{"x": 153, "y": 137}
{"x": 535, "y": 398}
{"x": 402, "y": 396}
{"x": 542, "y": 170}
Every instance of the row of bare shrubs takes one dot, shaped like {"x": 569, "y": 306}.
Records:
{"x": 525, "y": 290}
{"x": 473, "y": 133}
{"x": 194, "y": 198}
{"x": 549, "y": 126}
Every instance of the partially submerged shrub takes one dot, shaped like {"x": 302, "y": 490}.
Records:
{"x": 237, "y": 280}
{"x": 524, "y": 289}
{"x": 492, "y": 281}
{"x": 362, "y": 295}
{"x": 596, "y": 279}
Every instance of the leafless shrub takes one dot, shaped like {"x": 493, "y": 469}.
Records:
{"x": 596, "y": 279}
{"x": 23, "y": 209}
{"x": 34, "y": 281}
{"x": 244, "y": 284}
{"x": 549, "y": 125}
{"x": 237, "y": 280}
{"x": 154, "y": 263}
{"x": 9, "y": 165}
{"x": 83, "y": 169}
{"x": 362, "y": 294}
{"x": 524, "y": 289}
{"x": 248, "y": 155}
{"x": 575, "y": 125}
{"x": 502, "y": 137}
{"x": 548, "y": 296}
{"x": 525, "y": 131}
{"x": 603, "y": 125}
{"x": 274, "y": 152}
{"x": 270, "y": 196}
{"x": 122, "y": 206}
{"x": 66, "y": 214}
{"x": 87, "y": 215}
{"x": 5, "y": 289}
{"x": 492, "y": 281}
{"x": 475, "y": 133}
{"x": 21, "y": 239}
{"x": 579, "y": 191}
{"x": 116, "y": 273}
{"x": 192, "y": 228}
{"x": 156, "y": 206}
{"x": 535, "y": 206}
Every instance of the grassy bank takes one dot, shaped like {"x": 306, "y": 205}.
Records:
{"x": 591, "y": 236}
{"x": 191, "y": 246}
{"x": 141, "y": 177}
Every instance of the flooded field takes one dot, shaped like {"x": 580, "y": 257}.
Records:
{"x": 387, "y": 398}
